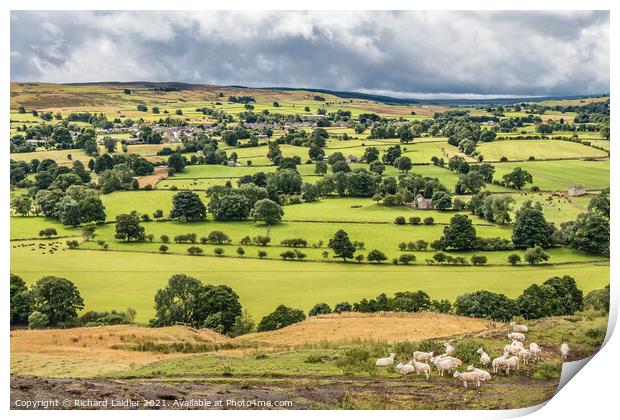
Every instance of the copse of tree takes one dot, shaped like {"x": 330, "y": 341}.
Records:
{"x": 283, "y": 316}
{"x": 485, "y": 304}
{"x": 556, "y": 296}
{"x": 186, "y": 300}
{"x": 187, "y": 206}
{"x": 590, "y": 232}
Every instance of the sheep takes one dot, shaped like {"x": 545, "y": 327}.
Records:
{"x": 442, "y": 365}
{"x": 523, "y": 355}
{"x": 511, "y": 349}
{"x": 517, "y": 343}
{"x": 498, "y": 363}
{"x": 535, "y": 351}
{"x": 484, "y": 358}
{"x": 483, "y": 374}
{"x": 511, "y": 362}
{"x": 564, "y": 351}
{"x": 468, "y": 376}
{"x": 516, "y": 336}
{"x": 449, "y": 349}
{"x": 456, "y": 362}
{"x": 422, "y": 368}
{"x": 421, "y": 356}
{"x": 405, "y": 369}
{"x": 518, "y": 328}
{"x": 386, "y": 361}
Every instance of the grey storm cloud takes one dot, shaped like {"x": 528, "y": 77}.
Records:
{"x": 400, "y": 53}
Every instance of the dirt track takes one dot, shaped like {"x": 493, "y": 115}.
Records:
{"x": 297, "y": 392}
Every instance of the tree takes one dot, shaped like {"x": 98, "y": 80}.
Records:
{"x": 460, "y": 233}
{"x": 320, "y": 309}
{"x": 555, "y": 297}
{"x": 110, "y": 144}
{"x": 441, "y": 200}
{"x": 282, "y": 316}
{"x": 517, "y": 178}
{"x": 590, "y": 232}
{"x": 244, "y": 324}
{"x": 176, "y": 162}
{"x": 21, "y": 301}
{"x": 410, "y": 301}
{"x": 91, "y": 209}
{"x": 178, "y": 301}
{"x": 341, "y": 245}
{"x": 371, "y": 154}
{"x": 69, "y": 212}
{"x": 376, "y": 256}
{"x": 469, "y": 183}
{"x": 219, "y": 307}
{"x": 21, "y": 204}
{"x": 485, "y": 304}
{"x": 38, "y": 320}
{"x": 267, "y": 211}
{"x": 128, "y": 227}
{"x": 514, "y": 259}
{"x": 48, "y": 232}
{"x": 403, "y": 164}
{"x": 187, "y": 206}
{"x": 57, "y": 298}
{"x": 478, "y": 259}
{"x": 601, "y": 204}
{"x": 531, "y": 229}
{"x": 377, "y": 167}
{"x": 598, "y": 299}
{"x": 535, "y": 255}
{"x": 320, "y": 168}
{"x": 343, "y": 307}
{"x": 406, "y": 259}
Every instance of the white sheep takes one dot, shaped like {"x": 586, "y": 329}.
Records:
{"x": 456, "y": 362}
{"x": 523, "y": 355}
{"x": 468, "y": 377}
{"x": 517, "y": 336}
{"x": 564, "y": 351}
{"x": 386, "y": 361}
{"x": 511, "y": 362}
{"x": 498, "y": 363}
{"x": 518, "y": 328}
{"x": 449, "y": 349}
{"x": 511, "y": 348}
{"x": 442, "y": 365}
{"x": 483, "y": 374}
{"x": 422, "y": 356}
{"x": 535, "y": 351}
{"x": 405, "y": 369}
{"x": 484, "y": 357}
{"x": 422, "y": 368}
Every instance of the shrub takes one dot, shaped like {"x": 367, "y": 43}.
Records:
{"x": 415, "y": 220}
{"x": 356, "y": 359}
{"x": 485, "y": 304}
{"x": 466, "y": 351}
{"x": 514, "y": 259}
{"x": 48, "y": 233}
{"x": 218, "y": 252}
{"x": 282, "y": 316}
{"x": 406, "y": 259}
{"x": 164, "y": 238}
{"x": 246, "y": 241}
{"x": 217, "y": 237}
{"x": 429, "y": 221}
{"x": 478, "y": 259}
{"x": 194, "y": 250}
{"x": 376, "y": 256}
{"x": 163, "y": 248}
{"x": 547, "y": 371}
{"x": 72, "y": 244}
{"x": 343, "y": 307}
{"x": 262, "y": 254}
{"x": 319, "y": 309}
{"x": 261, "y": 240}
{"x": 37, "y": 320}
{"x": 400, "y": 220}
{"x": 295, "y": 242}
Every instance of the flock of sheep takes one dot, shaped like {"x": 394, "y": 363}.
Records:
{"x": 515, "y": 353}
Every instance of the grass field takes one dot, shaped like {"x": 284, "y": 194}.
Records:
{"x": 262, "y": 285}
{"x": 539, "y": 149}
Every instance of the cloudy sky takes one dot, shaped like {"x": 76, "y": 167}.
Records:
{"x": 408, "y": 54}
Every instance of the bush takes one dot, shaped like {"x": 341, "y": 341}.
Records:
{"x": 194, "y": 250}
{"x": 282, "y": 316}
{"x": 72, "y": 244}
{"x": 478, "y": 259}
{"x": 295, "y": 242}
{"x": 514, "y": 259}
{"x": 343, "y": 307}
{"x": 319, "y": 309}
{"x": 356, "y": 359}
{"x": 598, "y": 299}
{"x": 485, "y": 304}
{"x": 288, "y": 255}
{"x": 415, "y": 220}
{"x": 429, "y": 221}
{"x": 163, "y": 248}
{"x": 406, "y": 259}
{"x": 400, "y": 220}
{"x": 37, "y": 320}
{"x": 466, "y": 351}
{"x": 547, "y": 371}
{"x": 218, "y": 252}
{"x": 262, "y": 254}
{"x": 376, "y": 256}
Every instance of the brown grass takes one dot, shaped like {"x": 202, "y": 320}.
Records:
{"x": 390, "y": 327}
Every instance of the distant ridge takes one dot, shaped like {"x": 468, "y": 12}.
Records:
{"x": 354, "y": 95}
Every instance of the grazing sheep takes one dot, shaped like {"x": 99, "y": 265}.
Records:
{"x": 449, "y": 349}
{"x": 468, "y": 377}
{"x": 405, "y": 369}
{"x": 422, "y": 368}
{"x": 483, "y": 374}
{"x": 386, "y": 361}
{"x": 484, "y": 358}
{"x": 511, "y": 362}
{"x": 518, "y": 328}
{"x": 535, "y": 351}
{"x": 511, "y": 349}
{"x": 516, "y": 336}
{"x": 498, "y": 363}
{"x": 421, "y": 356}
{"x": 564, "y": 351}
{"x": 456, "y": 362}
{"x": 517, "y": 343}
{"x": 442, "y": 365}
{"x": 523, "y": 355}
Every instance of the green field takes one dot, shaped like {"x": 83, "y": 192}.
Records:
{"x": 539, "y": 149}
{"x": 119, "y": 280}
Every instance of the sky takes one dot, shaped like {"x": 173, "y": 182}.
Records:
{"x": 419, "y": 54}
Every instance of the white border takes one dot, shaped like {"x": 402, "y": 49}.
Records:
{"x": 593, "y": 394}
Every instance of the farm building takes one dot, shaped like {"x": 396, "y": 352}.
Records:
{"x": 424, "y": 203}
{"x": 232, "y": 163}
{"x": 576, "y": 190}
{"x": 352, "y": 159}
